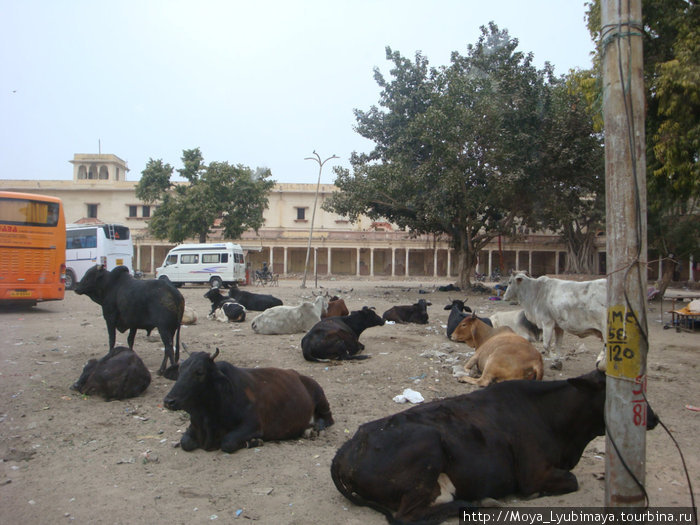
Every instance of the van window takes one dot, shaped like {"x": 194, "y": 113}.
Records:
{"x": 224, "y": 257}
{"x": 238, "y": 257}
{"x": 209, "y": 258}
{"x": 189, "y": 258}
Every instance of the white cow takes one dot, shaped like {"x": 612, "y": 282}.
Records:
{"x": 517, "y": 321}
{"x": 290, "y": 319}
{"x": 556, "y": 305}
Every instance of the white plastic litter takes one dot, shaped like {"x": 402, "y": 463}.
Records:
{"x": 409, "y": 395}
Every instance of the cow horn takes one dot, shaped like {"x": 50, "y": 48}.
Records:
{"x": 215, "y": 354}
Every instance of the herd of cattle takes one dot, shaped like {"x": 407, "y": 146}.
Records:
{"x": 420, "y": 465}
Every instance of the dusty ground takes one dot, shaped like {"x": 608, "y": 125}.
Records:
{"x": 67, "y": 458}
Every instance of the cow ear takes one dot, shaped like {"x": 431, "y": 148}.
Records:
{"x": 215, "y": 354}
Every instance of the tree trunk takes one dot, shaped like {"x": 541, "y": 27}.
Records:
{"x": 466, "y": 263}
{"x": 666, "y": 276}
{"x": 580, "y": 254}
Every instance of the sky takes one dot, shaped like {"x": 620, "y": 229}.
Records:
{"x": 258, "y": 83}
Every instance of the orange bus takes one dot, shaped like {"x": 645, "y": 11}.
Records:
{"x": 32, "y": 248}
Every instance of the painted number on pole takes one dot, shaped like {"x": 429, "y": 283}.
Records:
{"x": 623, "y": 353}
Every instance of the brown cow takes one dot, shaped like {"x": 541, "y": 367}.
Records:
{"x": 231, "y": 408}
{"x": 500, "y": 355}
{"x": 336, "y": 308}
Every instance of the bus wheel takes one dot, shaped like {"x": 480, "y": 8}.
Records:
{"x": 216, "y": 282}
{"x": 70, "y": 280}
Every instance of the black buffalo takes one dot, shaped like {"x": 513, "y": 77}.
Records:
{"x": 232, "y": 408}
{"x": 338, "y": 337}
{"x": 118, "y": 375}
{"x": 414, "y": 313}
{"x": 515, "y": 437}
{"x": 458, "y": 312}
{"x": 229, "y": 309}
{"x": 253, "y": 301}
{"x": 130, "y": 304}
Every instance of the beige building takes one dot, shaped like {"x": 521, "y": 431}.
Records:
{"x": 99, "y": 191}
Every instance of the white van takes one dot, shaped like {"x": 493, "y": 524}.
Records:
{"x": 219, "y": 264}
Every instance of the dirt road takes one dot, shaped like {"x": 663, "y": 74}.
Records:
{"x": 68, "y": 458}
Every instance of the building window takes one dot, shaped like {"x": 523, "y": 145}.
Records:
{"x": 146, "y": 211}
{"x": 132, "y": 211}
{"x": 301, "y": 214}
{"x": 92, "y": 211}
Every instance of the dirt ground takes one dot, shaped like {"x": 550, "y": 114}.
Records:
{"x": 70, "y": 458}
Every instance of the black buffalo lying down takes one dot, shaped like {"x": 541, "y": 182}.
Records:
{"x": 118, "y": 375}
{"x": 232, "y": 408}
{"x": 514, "y": 437}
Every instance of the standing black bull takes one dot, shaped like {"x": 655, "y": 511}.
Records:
{"x": 231, "y": 408}
{"x": 118, "y": 375}
{"x": 130, "y": 304}
{"x": 515, "y": 437}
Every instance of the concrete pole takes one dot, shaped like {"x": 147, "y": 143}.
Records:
{"x": 317, "y": 158}
{"x": 625, "y": 203}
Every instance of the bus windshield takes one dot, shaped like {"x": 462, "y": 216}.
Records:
{"x": 24, "y": 212}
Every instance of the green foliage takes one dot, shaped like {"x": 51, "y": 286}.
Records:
{"x": 155, "y": 181}
{"x": 235, "y": 194}
{"x": 572, "y": 171}
{"x": 456, "y": 147}
{"x": 672, "y": 82}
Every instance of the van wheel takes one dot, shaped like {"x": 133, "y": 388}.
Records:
{"x": 216, "y": 282}
{"x": 165, "y": 278}
{"x": 70, "y": 280}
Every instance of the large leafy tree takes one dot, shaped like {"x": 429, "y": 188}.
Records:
{"x": 235, "y": 194}
{"x": 456, "y": 147}
{"x": 671, "y": 37}
{"x": 572, "y": 172}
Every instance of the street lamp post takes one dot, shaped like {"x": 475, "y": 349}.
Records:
{"x": 316, "y": 158}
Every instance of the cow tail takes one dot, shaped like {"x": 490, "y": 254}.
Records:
{"x": 177, "y": 344}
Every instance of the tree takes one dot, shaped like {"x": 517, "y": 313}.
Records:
{"x": 573, "y": 172}
{"x": 455, "y": 147}
{"x": 235, "y": 194}
{"x": 671, "y": 36}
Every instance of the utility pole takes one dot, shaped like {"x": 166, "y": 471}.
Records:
{"x": 626, "y": 230}
{"x": 317, "y": 158}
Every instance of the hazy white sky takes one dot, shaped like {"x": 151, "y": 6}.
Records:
{"x": 259, "y": 83}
